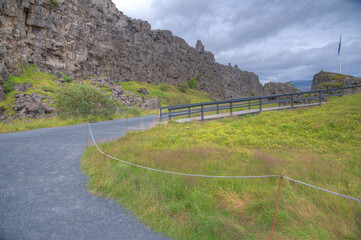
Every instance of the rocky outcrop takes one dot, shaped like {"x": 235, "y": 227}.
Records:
{"x": 31, "y": 106}
{"x": 326, "y": 80}
{"x": 128, "y": 98}
{"x": 273, "y": 88}
{"x": 91, "y": 37}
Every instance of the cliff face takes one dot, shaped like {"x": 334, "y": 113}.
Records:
{"x": 91, "y": 37}
{"x": 326, "y": 80}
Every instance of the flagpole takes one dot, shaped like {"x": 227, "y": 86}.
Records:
{"x": 340, "y": 53}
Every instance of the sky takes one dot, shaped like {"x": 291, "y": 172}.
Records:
{"x": 280, "y": 40}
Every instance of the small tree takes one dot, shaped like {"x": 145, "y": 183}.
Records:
{"x": 193, "y": 83}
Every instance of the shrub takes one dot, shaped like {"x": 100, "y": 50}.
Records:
{"x": 193, "y": 83}
{"x": 325, "y": 85}
{"x": 54, "y": 3}
{"x": 183, "y": 87}
{"x": 83, "y": 100}
{"x": 67, "y": 79}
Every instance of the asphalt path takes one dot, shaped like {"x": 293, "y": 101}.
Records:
{"x": 43, "y": 191}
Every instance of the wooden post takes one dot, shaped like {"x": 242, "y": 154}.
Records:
{"x": 160, "y": 114}
{"x": 279, "y": 101}
{"x": 87, "y": 132}
{"x": 292, "y": 101}
{"x": 320, "y": 97}
{"x": 249, "y": 104}
{"x": 126, "y": 125}
{"x": 101, "y": 170}
{"x": 260, "y": 104}
{"x": 202, "y": 109}
{"x": 231, "y": 108}
{"x": 189, "y": 112}
{"x": 278, "y": 197}
{"x": 217, "y": 108}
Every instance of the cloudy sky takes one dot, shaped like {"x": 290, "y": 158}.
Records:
{"x": 279, "y": 40}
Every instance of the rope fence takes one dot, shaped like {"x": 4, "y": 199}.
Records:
{"x": 212, "y": 176}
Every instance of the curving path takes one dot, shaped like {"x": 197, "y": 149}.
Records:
{"x": 43, "y": 192}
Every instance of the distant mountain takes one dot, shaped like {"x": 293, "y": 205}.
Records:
{"x": 303, "y": 85}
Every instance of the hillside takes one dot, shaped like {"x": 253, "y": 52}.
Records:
{"x": 90, "y": 37}
{"x": 36, "y": 99}
{"x": 325, "y": 80}
{"x": 320, "y": 146}
{"x": 303, "y": 85}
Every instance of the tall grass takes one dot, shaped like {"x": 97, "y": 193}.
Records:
{"x": 318, "y": 145}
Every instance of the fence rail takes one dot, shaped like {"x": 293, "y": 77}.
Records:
{"x": 290, "y": 99}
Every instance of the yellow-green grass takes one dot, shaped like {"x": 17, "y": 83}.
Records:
{"x": 319, "y": 145}
{"x": 169, "y": 94}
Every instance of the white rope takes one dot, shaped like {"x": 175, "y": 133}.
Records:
{"x": 210, "y": 176}
{"x": 169, "y": 172}
{"x": 338, "y": 194}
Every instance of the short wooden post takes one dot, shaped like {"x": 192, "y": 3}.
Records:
{"x": 217, "y": 108}
{"x": 353, "y": 89}
{"x": 189, "y": 112}
{"x": 343, "y": 92}
{"x": 279, "y": 101}
{"x": 101, "y": 170}
{"x": 292, "y": 101}
{"x": 160, "y": 114}
{"x": 126, "y": 125}
{"x": 87, "y": 132}
{"x": 231, "y": 108}
{"x": 249, "y": 104}
{"x": 278, "y": 197}
{"x": 202, "y": 110}
{"x": 320, "y": 97}
{"x": 170, "y": 114}
{"x": 260, "y": 104}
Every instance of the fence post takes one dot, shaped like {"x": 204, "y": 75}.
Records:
{"x": 189, "y": 112}
{"x": 202, "y": 110}
{"x": 260, "y": 104}
{"x": 343, "y": 92}
{"x": 87, "y": 132}
{"x": 126, "y": 125}
{"x": 292, "y": 101}
{"x": 278, "y": 197}
{"x": 231, "y": 107}
{"x": 320, "y": 96}
{"x": 160, "y": 114}
{"x": 170, "y": 114}
{"x": 279, "y": 101}
{"x": 217, "y": 108}
{"x": 101, "y": 170}
{"x": 249, "y": 104}
{"x": 353, "y": 89}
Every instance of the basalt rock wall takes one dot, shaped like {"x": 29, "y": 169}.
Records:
{"x": 91, "y": 37}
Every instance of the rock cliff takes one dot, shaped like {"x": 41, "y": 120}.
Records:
{"x": 91, "y": 37}
{"x": 326, "y": 80}
{"x": 273, "y": 88}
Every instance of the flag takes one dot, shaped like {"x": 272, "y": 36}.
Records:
{"x": 339, "y": 46}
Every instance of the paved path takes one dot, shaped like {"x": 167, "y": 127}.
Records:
{"x": 43, "y": 192}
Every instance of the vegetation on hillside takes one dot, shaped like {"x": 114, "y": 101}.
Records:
{"x": 77, "y": 99}
{"x": 319, "y": 145}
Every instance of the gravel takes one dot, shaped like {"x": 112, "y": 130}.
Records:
{"x": 43, "y": 192}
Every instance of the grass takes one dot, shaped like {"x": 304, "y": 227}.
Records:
{"x": 319, "y": 145}
{"x": 168, "y": 94}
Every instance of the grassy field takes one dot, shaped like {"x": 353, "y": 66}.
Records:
{"x": 44, "y": 85}
{"x": 319, "y": 145}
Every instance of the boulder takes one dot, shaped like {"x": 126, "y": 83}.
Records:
{"x": 143, "y": 91}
